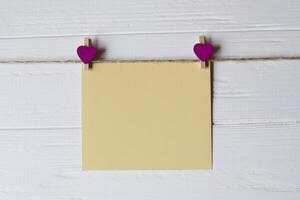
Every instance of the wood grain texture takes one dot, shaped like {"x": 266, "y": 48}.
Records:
{"x": 141, "y": 29}
{"x": 255, "y": 135}
{"x": 256, "y": 103}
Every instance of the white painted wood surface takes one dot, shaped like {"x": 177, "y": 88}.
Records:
{"x": 141, "y": 29}
{"x": 256, "y": 141}
{"x": 255, "y": 135}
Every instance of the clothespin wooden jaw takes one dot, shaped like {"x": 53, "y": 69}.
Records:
{"x": 87, "y": 42}
{"x": 203, "y": 64}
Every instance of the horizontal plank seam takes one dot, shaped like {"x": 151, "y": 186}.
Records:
{"x": 39, "y": 128}
{"x": 263, "y": 123}
{"x": 206, "y": 31}
{"x": 258, "y": 123}
{"x": 157, "y": 60}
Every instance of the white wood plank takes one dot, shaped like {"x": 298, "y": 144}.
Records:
{"x": 257, "y": 92}
{"x": 260, "y": 163}
{"x": 38, "y": 96}
{"x": 256, "y": 138}
{"x": 153, "y": 46}
{"x": 141, "y": 29}
{"x": 32, "y": 18}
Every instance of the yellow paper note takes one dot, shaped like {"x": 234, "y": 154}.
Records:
{"x": 146, "y": 115}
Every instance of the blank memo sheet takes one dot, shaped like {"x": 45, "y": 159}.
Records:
{"x": 146, "y": 116}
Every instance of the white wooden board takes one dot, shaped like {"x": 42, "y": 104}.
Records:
{"x": 256, "y": 103}
{"x": 255, "y": 135}
{"x": 141, "y": 29}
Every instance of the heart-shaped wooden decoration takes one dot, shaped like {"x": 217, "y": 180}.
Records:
{"x": 203, "y": 51}
{"x": 86, "y": 54}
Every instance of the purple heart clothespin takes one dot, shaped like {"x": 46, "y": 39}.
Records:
{"x": 203, "y": 51}
{"x": 86, "y": 53}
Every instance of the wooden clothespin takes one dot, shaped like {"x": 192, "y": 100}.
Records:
{"x": 87, "y": 53}
{"x": 203, "y": 64}
{"x": 87, "y": 42}
{"x": 203, "y": 51}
